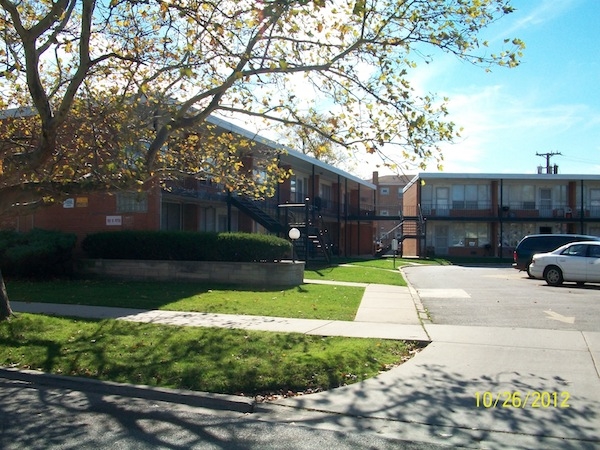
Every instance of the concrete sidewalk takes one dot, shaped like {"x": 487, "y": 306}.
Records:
{"x": 385, "y": 312}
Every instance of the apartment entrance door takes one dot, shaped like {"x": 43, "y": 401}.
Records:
{"x": 546, "y": 202}
{"x": 441, "y": 239}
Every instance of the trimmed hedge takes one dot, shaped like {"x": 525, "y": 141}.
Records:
{"x": 37, "y": 253}
{"x": 185, "y": 246}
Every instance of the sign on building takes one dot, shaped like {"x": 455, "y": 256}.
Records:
{"x": 112, "y": 221}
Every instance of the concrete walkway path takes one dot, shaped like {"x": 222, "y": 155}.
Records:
{"x": 385, "y": 312}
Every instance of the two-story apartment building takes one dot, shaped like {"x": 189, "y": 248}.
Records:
{"x": 333, "y": 203}
{"x": 487, "y": 214}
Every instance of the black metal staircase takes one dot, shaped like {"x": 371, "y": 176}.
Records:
{"x": 253, "y": 209}
{"x": 314, "y": 244}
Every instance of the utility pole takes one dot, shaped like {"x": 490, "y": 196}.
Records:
{"x": 548, "y": 156}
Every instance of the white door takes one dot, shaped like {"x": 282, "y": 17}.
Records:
{"x": 546, "y": 202}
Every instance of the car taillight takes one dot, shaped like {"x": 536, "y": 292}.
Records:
{"x": 515, "y": 256}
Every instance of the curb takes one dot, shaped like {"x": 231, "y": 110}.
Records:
{"x": 421, "y": 311}
{"x": 208, "y": 400}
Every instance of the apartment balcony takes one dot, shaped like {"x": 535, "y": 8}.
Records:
{"x": 517, "y": 211}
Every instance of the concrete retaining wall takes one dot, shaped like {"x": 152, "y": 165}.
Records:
{"x": 285, "y": 273}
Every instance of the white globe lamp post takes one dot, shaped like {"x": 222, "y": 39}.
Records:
{"x": 294, "y": 235}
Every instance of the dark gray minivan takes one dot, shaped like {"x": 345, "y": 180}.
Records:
{"x": 542, "y": 243}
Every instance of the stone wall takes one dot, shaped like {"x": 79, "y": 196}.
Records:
{"x": 285, "y": 273}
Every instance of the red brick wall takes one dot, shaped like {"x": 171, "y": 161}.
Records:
{"x": 358, "y": 239}
{"x": 89, "y": 214}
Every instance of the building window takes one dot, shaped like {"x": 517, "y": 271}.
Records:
{"x": 384, "y": 191}
{"x": 471, "y": 234}
{"x": 522, "y": 197}
{"x": 325, "y": 192}
{"x": 470, "y": 196}
{"x": 132, "y": 202}
{"x": 384, "y": 212}
{"x": 300, "y": 189}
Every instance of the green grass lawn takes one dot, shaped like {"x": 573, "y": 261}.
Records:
{"x": 206, "y": 359}
{"x": 375, "y": 271}
{"x": 308, "y": 301}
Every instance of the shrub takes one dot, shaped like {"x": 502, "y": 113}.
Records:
{"x": 37, "y": 253}
{"x": 185, "y": 246}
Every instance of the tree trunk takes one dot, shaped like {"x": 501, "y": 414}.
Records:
{"x": 5, "y": 310}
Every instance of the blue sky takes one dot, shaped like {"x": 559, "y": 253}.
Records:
{"x": 550, "y": 103}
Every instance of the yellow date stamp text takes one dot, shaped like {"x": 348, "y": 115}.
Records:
{"x": 517, "y": 399}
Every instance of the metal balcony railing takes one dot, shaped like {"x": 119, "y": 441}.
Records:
{"x": 508, "y": 210}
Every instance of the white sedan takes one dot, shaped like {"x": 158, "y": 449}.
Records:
{"x": 576, "y": 261}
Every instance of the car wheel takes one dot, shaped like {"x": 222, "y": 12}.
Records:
{"x": 553, "y": 276}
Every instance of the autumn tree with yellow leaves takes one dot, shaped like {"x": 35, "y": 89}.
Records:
{"x": 103, "y": 94}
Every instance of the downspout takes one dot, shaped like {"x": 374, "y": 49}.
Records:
{"x": 582, "y": 214}
{"x": 306, "y": 232}
{"x": 500, "y": 210}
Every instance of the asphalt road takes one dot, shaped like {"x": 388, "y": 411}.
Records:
{"x": 503, "y": 297}
{"x": 34, "y": 416}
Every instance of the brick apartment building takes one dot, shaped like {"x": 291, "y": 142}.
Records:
{"x": 338, "y": 206}
{"x": 461, "y": 214}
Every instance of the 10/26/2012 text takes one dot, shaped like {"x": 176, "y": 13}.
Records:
{"x": 517, "y": 399}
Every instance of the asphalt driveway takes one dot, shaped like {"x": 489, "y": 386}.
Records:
{"x": 503, "y": 297}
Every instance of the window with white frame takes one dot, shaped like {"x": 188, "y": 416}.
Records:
{"x": 522, "y": 196}
{"x": 384, "y": 191}
{"x": 299, "y": 188}
{"x": 470, "y": 196}
{"x": 132, "y": 202}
